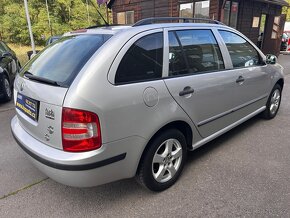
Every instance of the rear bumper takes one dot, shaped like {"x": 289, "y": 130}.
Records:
{"x": 113, "y": 161}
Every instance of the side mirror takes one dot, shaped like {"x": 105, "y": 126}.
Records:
{"x": 271, "y": 59}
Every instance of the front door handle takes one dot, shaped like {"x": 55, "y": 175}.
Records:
{"x": 240, "y": 79}
{"x": 186, "y": 91}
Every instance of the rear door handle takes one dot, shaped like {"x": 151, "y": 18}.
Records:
{"x": 186, "y": 91}
{"x": 240, "y": 79}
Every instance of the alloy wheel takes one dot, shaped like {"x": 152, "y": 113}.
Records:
{"x": 275, "y": 101}
{"x": 167, "y": 160}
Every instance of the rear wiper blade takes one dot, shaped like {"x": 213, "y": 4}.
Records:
{"x": 40, "y": 79}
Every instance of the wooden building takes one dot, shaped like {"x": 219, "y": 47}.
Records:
{"x": 259, "y": 20}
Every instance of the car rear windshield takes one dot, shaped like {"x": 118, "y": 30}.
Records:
{"x": 62, "y": 60}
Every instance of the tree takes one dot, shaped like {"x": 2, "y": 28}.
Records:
{"x": 65, "y": 15}
{"x": 286, "y": 10}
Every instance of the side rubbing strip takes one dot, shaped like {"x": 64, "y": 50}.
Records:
{"x": 229, "y": 112}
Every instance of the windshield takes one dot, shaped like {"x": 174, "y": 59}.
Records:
{"x": 62, "y": 60}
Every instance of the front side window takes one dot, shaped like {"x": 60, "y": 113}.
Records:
{"x": 242, "y": 53}
{"x": 143, "y": 61}
{"x": 193, "y": 52}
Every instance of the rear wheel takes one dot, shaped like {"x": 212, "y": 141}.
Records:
{"x": 273, "y": 103}
{"x": 6, "y": 88}
{"x": 163, "y": 162}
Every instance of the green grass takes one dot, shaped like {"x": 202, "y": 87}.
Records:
{"x": 21, "y": 51}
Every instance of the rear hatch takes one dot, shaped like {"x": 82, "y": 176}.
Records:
{"x": 41, "y": 86}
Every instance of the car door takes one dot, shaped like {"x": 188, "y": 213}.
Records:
{"x": 253, "y": 82}
{"x": 198, "y": 78}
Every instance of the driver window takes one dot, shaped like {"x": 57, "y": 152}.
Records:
{"x": 242, "y": 53}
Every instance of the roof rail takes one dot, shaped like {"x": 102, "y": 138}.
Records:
{"x": 184, "y": 19}
{"x": 96, "y": 26}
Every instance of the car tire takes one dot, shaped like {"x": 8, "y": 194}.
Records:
{"x": 6, "y": 89}
{"x": 273, "y": 103}
{"x": 163, "y": 161}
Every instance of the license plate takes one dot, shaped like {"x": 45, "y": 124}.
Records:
{"x": 28, "y": 106}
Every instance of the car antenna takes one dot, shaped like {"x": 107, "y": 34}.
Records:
{"x": 106, "y": 23}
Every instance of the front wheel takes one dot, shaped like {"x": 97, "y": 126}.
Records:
{"x": 163, "y": 161}
{"x": 273, "y": 103}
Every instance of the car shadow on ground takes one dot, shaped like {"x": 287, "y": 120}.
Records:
{"x": 222, "y": 140}
{"x": 4, "y": 105}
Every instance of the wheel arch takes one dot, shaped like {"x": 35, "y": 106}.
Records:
{"x": 182, "y": 126}
{"x": 281, "y": 83}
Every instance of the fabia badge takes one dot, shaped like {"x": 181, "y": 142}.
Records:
{"x": 49, "y": 113}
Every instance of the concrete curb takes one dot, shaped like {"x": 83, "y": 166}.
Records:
{"x": 285, "y": 52}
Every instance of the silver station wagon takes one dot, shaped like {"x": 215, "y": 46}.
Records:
{"x": 104, "y": 104}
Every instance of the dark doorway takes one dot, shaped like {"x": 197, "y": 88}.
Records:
{"x": 229, "y": 13}
{"x": 272, "y": 35}
{"x": 263, "y": 20}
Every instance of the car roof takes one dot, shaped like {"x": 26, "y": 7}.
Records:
{"x": 112, "y": 30}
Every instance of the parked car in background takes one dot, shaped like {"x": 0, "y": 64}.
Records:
{"x": 111, "y": 103}
{"x": 9, "y": 67}
{"x": 52, "y": 39}
{"x": 288, "y": 34}
{"x": 284, "y": 42}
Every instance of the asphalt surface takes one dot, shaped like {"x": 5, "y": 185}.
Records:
{"x": 244, "y": 173}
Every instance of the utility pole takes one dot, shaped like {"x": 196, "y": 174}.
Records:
{"x": 49, "y": 23}
{"x": 88, "y": 12}
{"x": 29, "y": 27}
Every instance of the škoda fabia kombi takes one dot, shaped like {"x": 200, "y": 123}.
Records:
{"x": 104, "y": 104}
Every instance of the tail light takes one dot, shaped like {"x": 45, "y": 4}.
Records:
{"x": 80, "y": 130}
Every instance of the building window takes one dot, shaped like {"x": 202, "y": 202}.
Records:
{"x": 230, "y": 13}
{"x": 186, "y": 10}
{"x": 201, "y": 9}
{"x": 276, "y": 28}
{"x": 126, "y": 17}
{"x": 198, "y": 9}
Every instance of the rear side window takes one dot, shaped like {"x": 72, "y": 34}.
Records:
{"x": 242, "y": 53}
{"x": 193, "y": 52}
{"x": 63, "y": 60}
{"x": 143, "y": 61}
